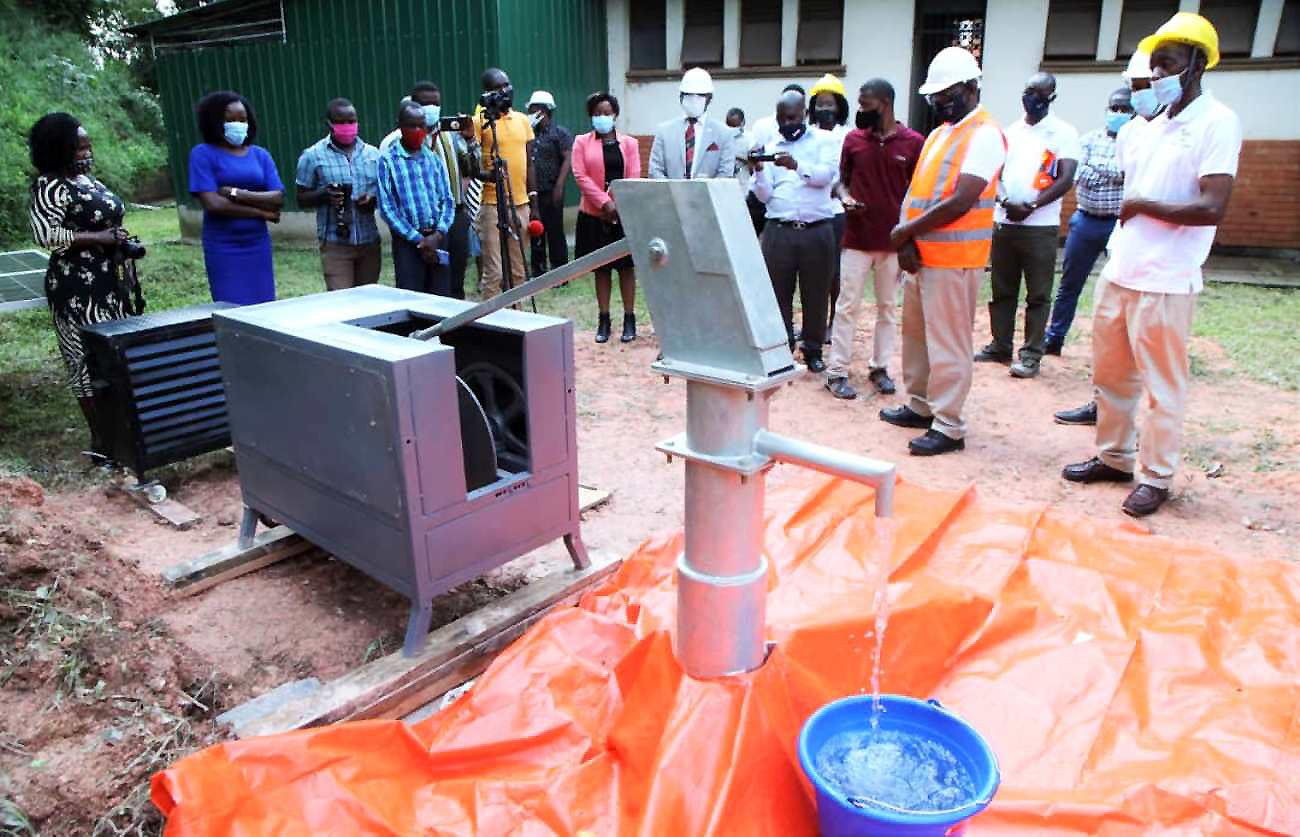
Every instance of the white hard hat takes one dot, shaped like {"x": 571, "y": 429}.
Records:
{"x": 952, "y": 65}
{"x": 1139, "y": 66}
{"x": 697, "y": 80}
{"x": 541, "y": 97}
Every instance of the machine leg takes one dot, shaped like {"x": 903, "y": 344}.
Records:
{"x": 578, "y": 550}
{"x": 247, "y": 527}
{"x": 417, "y": 628}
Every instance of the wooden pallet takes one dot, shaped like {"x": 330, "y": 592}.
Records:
{"x": 213, "y": 568}
{"x": 394, "y": 686}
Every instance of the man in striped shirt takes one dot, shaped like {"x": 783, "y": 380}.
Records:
{"x": 416, "y": 202}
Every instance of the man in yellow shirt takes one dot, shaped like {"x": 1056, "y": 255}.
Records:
{"x": 500, "y": 123}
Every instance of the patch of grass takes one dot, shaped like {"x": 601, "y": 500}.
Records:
{"x": 46, "y": 626}
{"x": 1257, "y": 329}
{"x": 1265, "y": 447}
{"x": 14, "y": 821}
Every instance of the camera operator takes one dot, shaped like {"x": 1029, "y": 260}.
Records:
{"x": 415, "y": 201}
{"x": 337, "y": 176}
{"x": 501, "y": 133}
{"x": 91, "y": 275}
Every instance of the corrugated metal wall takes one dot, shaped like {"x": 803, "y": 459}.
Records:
{"x": 371, "y": 51}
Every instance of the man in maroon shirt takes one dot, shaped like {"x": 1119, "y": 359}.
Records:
{"x": 877, "y": 163}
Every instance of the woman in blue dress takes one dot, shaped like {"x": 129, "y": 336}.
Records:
{"x": 240, "y": 191}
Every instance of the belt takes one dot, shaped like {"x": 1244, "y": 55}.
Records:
{"x": 799, "y": 225}
{"x": 1097, "y": 217}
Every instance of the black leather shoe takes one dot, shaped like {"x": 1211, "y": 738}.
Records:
{"x": 1085, "y": 415}
{"x": 1026, "y": 368}
{"x": 934, "y": 443}
{"x": 881, "y": 381}
{"x": 905, "y": 416}
{"x": 1145, "y": 500}
{"x": 1053, "y": 349}
{"x": 1094, "y": 470}
{"x": 814, "y": 362}
{"x": 629, "y": 328}
{"x": 602, "y": 329}
{"x": 993, "y": 353}
{"x": 840, "y": 388}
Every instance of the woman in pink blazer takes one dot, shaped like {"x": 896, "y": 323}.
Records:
{"x": 599, "y": 158}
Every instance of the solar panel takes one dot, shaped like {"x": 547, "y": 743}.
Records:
{"x": 22, "y": 279}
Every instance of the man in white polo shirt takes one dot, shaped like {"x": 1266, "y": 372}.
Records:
{"x": 1179, "y": 176}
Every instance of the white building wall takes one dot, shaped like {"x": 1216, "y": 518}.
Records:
{"x": 878, "y": 42}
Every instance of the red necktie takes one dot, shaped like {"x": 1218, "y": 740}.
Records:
{"x": 690, "y": 146}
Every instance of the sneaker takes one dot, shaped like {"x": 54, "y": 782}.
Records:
{"x": 1027, "y": 368}
{"x": 1085, "y": 415}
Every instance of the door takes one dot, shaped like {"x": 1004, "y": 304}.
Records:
{"x": 940, "y": 24}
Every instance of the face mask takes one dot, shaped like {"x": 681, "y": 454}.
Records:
{"x": 431, "y": 114}
{"x": 345, "y": 133}
{"x": 824, "y": 118}
{"x": 693, "y": 105}
{"x": 868, "y": 120}
{"x": 1145, "y": 103}
{"x": 1115, "y": 121}
{"x": 535, "y": 118}
{"x": 952, "y": 111}
{"x": 602, "y": 124}
{"x": 83, "y": 165}
{"x": 1035, "y": 105}
{"x": 413, "y": 138}
{"x": 236, "y": 132}
{"x": 1168, "y": 90}
{"x": 793, "y": 132}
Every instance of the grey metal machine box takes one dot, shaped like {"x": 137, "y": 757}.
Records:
{"x": 422, "y": 464}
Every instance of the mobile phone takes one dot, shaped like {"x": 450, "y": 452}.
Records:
{"x": 453, "y": 123}
{"x": 764, "y": 158}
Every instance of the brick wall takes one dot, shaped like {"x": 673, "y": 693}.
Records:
{"x": 1265, "y": 206}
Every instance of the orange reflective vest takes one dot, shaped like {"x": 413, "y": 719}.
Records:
{"x": 966, "y": 242}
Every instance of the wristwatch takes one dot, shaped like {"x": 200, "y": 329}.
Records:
{"x": 234, "y": 193}
{"x": 1033, "y": 205}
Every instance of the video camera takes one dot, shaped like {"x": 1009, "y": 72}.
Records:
{"x": 131, "y": 249}
{"x": 342, "y": 212}
{"x": 496, "y": 103}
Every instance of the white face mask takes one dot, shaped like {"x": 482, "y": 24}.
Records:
{"x": 693, "y": 105}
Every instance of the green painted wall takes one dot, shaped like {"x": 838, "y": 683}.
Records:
{"x": 371, "y": 51}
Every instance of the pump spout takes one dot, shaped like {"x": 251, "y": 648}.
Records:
{"x": 873, "y": 472}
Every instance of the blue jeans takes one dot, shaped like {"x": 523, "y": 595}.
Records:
{"x": 1087, "y": 238}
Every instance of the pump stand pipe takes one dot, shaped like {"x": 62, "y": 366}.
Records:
{"x": 879, "y": 475}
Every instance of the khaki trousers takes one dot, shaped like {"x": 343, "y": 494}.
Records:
{"x": 490, "y": 236}
{"x": 1139, "y": 342}
{"x": 854, "y": 267}
{"x": 939, "y": 344}
{"x": 348, "y": 265}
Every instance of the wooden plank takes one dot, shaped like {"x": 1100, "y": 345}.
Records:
{"x": 169, "y": 511}
{"x": 213, "y": 568}
{"x": 393, "y": 686}
{"x": 589, "y": 497}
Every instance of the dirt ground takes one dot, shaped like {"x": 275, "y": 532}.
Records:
{"x": 110, "y": 680}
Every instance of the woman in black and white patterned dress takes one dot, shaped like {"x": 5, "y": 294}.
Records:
{"x": 79, "y": 221}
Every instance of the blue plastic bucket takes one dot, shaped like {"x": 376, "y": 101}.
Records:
{"x": 838, "y": 817}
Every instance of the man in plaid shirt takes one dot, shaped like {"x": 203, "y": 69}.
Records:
{"x": 415, "y": 200}
{"x": 1099, "y": 194}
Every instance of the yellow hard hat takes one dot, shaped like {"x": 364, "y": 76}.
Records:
{"x": 827, "y": 84}
{"x": 1186, "y": 28}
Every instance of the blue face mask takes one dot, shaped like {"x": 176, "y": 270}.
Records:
{"x": 236, "y": 132}
{"x": 1145, "y": 103}
{"x": 431, "y": 114}
{"x": 1169, "y": 89}
{"x": 602, "y": 124}
{"x": 1115, "y": 121}
{"x": 1035, "y": 106}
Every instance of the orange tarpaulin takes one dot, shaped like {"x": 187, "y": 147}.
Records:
{"x": 1126, "y": 682}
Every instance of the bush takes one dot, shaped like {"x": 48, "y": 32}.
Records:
{"x": 44, "y": 71}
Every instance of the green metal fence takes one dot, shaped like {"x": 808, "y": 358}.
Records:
{"x": 371, "y": 51}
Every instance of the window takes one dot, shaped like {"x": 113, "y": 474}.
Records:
{"x": 1235, "y": 21}
{"x": 760, "y": 33}
{"x": 649, "y": 35}
{"x": 702, "y": 34}
{"x": 821, "y": 32}
{"x": 1072, "y": 27}
{"x": 1288, "y": 33}
{"x": 1139, "y": 19}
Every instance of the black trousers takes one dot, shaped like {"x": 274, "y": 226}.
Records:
{"x": 413, "y": 273}
{"x": 802, "y": 256}
{"x": 1029, "y": 251}
{"x": 458, "y": 250}
{"x": 757, "y": 212}
{"x": 552, "y": 242}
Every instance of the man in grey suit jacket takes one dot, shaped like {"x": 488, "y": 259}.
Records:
{"x": 705, "y": 142}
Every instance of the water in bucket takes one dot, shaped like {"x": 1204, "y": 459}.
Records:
{"x": 894, "y": 769}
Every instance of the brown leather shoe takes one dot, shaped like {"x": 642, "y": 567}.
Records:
{"x": 1094, "y": 470}
{"x": 1145, "y": 500}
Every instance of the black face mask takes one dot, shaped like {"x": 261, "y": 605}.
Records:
{"x": 868, "y": 120}
{"x": 793, "y": 132}
{"x": 953, "y": 111}
{"x": 1035, "y": 105}
{"x": 824, "y": 117}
